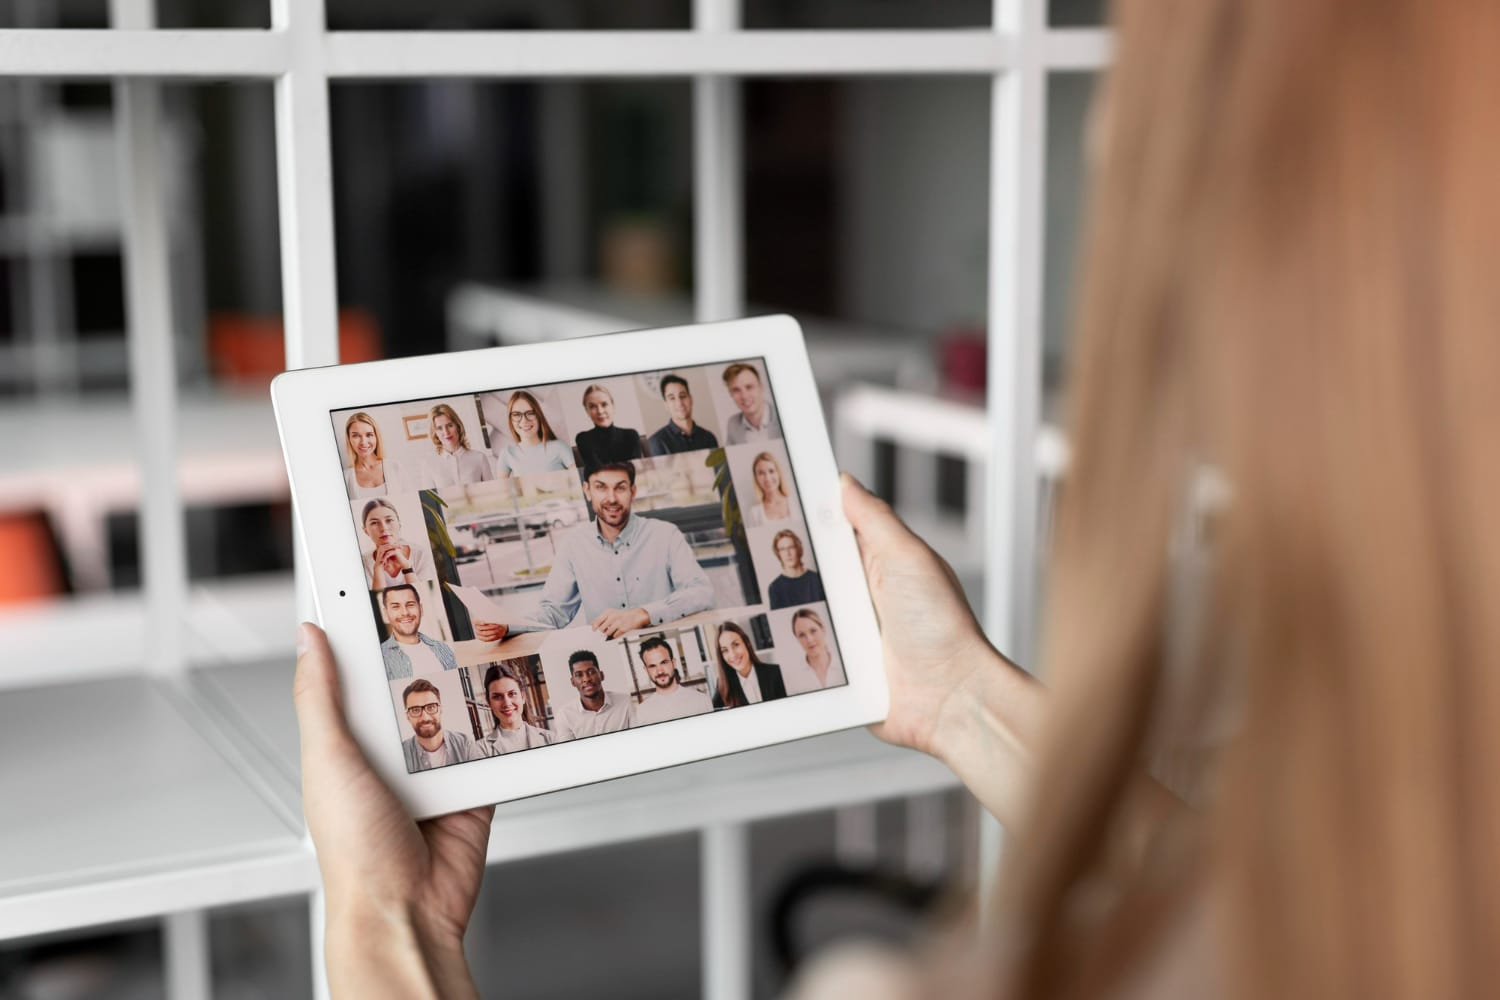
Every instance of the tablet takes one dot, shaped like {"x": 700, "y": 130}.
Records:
{"x": 555, "y": 564}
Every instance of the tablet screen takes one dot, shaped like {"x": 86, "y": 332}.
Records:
{"x": 561, "y": 561}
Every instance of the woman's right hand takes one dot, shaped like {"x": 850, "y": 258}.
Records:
{"x": 951, "y": 693}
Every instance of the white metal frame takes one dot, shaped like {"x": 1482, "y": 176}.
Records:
{"x": 301, "y": 57}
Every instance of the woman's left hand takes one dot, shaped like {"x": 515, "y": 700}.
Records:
{"x": 399, "y": 893}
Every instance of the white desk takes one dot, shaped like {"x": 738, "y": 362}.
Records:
{"x": 167, "y": 797}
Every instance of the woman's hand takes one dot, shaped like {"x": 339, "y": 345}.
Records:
{"x": 399, "y": 893}
{"x": 391, "y": 561}
{"x": 952, "y": 694}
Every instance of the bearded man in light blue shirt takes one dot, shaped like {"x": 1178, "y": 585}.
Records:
{"x": 621, "y": 573}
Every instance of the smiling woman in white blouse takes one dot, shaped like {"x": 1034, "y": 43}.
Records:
{"x": 513, "y": 730}
{"x": 455, "y": 462}
{"x": 370, "y": 473}
{"x": 772, "y": 502}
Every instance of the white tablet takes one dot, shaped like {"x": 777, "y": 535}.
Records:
{"x": 549, "y": 565}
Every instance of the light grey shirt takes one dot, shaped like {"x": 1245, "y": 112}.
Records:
{"x": 574, "y": 722}
{"x": 455, "y": 749}
{"x": 682, "y": 701}
{"x": 501, "y": 741}
{"x": 739, "y": 430}
{"x": 649, "y": 565}
{"x": 529, "y": 460}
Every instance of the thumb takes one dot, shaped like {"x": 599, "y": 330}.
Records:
{"x": 315, "y": 691}
{"x": 872, "y": 518}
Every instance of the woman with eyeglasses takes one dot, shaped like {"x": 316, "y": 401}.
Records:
{"x": 507, "y": 700}
{"x": 534, "y": 448}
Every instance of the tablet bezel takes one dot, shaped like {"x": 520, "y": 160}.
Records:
{"x": 306, "y": 398}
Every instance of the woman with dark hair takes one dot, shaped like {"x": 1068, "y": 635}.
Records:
{"x": 506, "y": 695}
{"x": 455, "y": 462}
{"x": 534, "y": 447}
{"x": 744, "y": 678}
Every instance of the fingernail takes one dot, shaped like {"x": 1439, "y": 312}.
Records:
{"x": 304, "y": 637}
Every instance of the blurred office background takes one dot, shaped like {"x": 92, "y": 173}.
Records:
{"x": 471, "y": 213}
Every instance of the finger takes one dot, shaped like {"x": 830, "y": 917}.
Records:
{"x": 315, "y": 692}
{"x": 871, "y": 516}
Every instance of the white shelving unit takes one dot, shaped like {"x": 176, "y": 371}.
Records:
{"x": 180, "y": 792}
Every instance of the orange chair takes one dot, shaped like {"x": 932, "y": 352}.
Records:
{"x": 250, "y": 350}
{"x": 34, "y": 565}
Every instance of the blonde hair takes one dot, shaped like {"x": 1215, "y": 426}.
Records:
{"x": 362, "y": 418}
{"x": 596, "y": 387}
{"x": 445, "y": 410}
{"x": 808, "y": 613}
{"x": 543, "y": 429}
{"x": 739, "y": 366}
{"x": 766, "y": 456}
{"x": 1290, "y": 275}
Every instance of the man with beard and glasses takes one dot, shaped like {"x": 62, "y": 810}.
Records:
{"x": 619, "y": 574}
{"x": 670, "y": 699}
{"x": 431, "y": 745}
{"x": 407, "y": 651}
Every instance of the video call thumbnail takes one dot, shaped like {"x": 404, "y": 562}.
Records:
{"x": 554, "y": 562}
